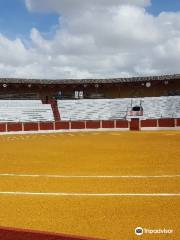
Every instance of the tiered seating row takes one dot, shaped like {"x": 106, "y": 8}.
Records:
{"x": 107, "y": 109}
{"x": 94, "y": 109}
{"x": 25, "y": 111}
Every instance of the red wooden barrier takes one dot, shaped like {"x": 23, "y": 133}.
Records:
{"x": 178, "y": 122}
{"x": 77, "y": 124}
{"x": 14, "y": 127}
{"x": 61, "y": 125}
{"x": 93, "y": 124}
{"x": 18, "y": 234}
{"x": 31, "y": 126}
{"x": 134, "y": 124}
{"x": 107, "y": 124}
{"x": 46, "y": 126}
{"x": 2, "y": 127}
{"x": 121, "y": 124}
{"x": 149, "y": 123}
{"x": 166, "y": 122}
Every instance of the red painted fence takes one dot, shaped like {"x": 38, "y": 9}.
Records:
{"x": 166, "y": 122}
{"x": 149, "y": 123}
{"x": 133, "y": 124}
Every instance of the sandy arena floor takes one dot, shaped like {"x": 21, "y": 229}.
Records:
{"x": 92, "y": 184}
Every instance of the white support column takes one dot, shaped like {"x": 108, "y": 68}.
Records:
{"x": 85, "y": 124}
{"x": 157, "y": 123}
{"x": 139, "y": 124}
{"x": 114, "y": 123}
{"x": 175, "y": 122}
{"x": 22, "y": 126}
{"x": 54, "y": 127}
{"x": 129, "y": 123}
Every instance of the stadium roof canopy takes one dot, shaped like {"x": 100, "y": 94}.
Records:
{"x": 90, "y": 81}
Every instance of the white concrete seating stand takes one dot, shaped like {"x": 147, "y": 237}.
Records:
{"x": 25, "y": 111}
{"x": 107, "y": 109}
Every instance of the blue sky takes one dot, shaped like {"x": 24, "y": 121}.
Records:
{"x": 16, "y": 21}
{"x": 96, "y": 44}
{"x": 164, "y": 5}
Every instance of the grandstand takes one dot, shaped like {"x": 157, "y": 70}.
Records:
{"x": 54, "y": 104}
{"x": 89, "y": 109}
{"x": 107, "y": 109}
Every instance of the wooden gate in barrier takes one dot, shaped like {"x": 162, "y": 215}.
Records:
{"x": 135, "y": 124}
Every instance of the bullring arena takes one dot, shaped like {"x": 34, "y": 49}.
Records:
{"x": 90, "y": 158}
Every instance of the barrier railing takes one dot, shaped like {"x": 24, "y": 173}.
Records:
{"x": 62, "y": 125}
{"x": 132, "y": 124}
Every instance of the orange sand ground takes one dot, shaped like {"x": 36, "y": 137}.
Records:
{"x": 95, "y": 153}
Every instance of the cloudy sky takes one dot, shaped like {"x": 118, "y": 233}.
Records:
{"x": 89, "y": 38}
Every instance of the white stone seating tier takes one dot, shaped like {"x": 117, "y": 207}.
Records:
{"x": 25, "y": 111}
{"x": 107, "y": 109}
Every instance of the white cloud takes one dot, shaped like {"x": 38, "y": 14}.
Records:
{"x": 72, "y": 6}
{"x": 96, "y": 39}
